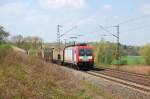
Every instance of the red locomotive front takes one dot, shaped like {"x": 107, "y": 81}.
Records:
{"x": 81, "y": 55}
{"x": 85, "y": 56}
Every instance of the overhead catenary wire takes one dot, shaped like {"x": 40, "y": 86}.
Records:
{"x": 134, "y": 19}
{"x": 68, "y": 31}
{"x": 107, "y": 31}
{"x": 137, "y": 28}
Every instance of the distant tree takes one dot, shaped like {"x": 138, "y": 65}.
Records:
{"x": 32, "y": 42}
{"x": 145, "y": 52}
{"x": 27, "y": 43}
{"x": 3, "y": 34}
{"x": 37, "y": 41}
{"x": 18, "y": 40}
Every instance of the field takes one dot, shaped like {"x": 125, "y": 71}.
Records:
{"x": 132, "y": 60}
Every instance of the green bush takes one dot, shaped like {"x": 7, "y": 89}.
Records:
{"x": 105, "y": 52}
{"x": 145, "y": 52}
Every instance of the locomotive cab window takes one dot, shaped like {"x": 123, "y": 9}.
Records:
{"x": 83, "y": 52}
{"x": 88, "y": 52}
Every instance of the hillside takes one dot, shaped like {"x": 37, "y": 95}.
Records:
{"x": 22, "y": 76}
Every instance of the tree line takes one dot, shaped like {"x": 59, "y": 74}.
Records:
{"x": 27, "y": 43}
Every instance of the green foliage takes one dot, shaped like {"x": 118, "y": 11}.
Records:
{"x": 134, "y": 60}
{"x": 5, "y": 46}
{"x": 3, "y": 34}
{"x": 105, "y": 52}
{"x": 130, "y": 60}
{"x": 120, "y": 62}
{"x": 145, "y": 52}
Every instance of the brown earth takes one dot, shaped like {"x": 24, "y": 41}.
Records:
{"x": 142, "y": 69}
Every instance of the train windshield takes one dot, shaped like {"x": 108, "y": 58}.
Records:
{"x": 88, "y": 52}
{"x": 85, "y": 52}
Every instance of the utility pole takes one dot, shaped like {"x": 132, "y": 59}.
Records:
{"x": 58, "y": 39}
{"x": 118, "y": 45}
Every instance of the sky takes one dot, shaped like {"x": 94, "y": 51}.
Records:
{"x": 41, "y": 17}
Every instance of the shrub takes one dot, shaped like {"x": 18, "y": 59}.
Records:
{"x": 145, "y": 52}
{"x": 105, "y": 52}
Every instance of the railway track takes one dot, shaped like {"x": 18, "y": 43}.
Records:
{"x": 133, "y": 80}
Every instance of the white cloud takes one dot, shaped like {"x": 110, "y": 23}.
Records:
{"x": 63, "y": 4}
{"x": 146, "y": 8}
{"x": 107, "y": 7}
{"x": 14, "y": 8}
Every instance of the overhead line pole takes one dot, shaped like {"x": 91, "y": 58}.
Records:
{"x": 61, "y": 35}
{"x": 118, "y": 44}
{"x": 58, "y": 38}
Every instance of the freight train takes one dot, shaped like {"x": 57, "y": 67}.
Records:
{"x": 79, "y": 55}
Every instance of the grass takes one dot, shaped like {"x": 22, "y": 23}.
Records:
{"x": 134, "y": 60}
{"x": 24, "y": 77}
{"x": 130, "y": 60}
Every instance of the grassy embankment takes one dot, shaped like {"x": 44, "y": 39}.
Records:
{"x": 24, "y": 77}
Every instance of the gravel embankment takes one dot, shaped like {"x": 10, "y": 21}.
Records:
{"x": 118, "y": 90}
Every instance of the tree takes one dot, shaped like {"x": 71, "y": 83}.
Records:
{"x": 145, "y": 52}
{"x": 106, "y": 52}
{"x": 33, "y": 42}
{"x": 18, "y": 40}
{"x": 37, "y": 41}
{"x": 3, "y": 34}
{"x": 27, "y": 43}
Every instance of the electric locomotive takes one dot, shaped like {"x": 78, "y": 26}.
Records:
{"x": 80, "y": 55}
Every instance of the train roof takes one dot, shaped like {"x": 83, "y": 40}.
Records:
{"x": 80, "y": 44}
